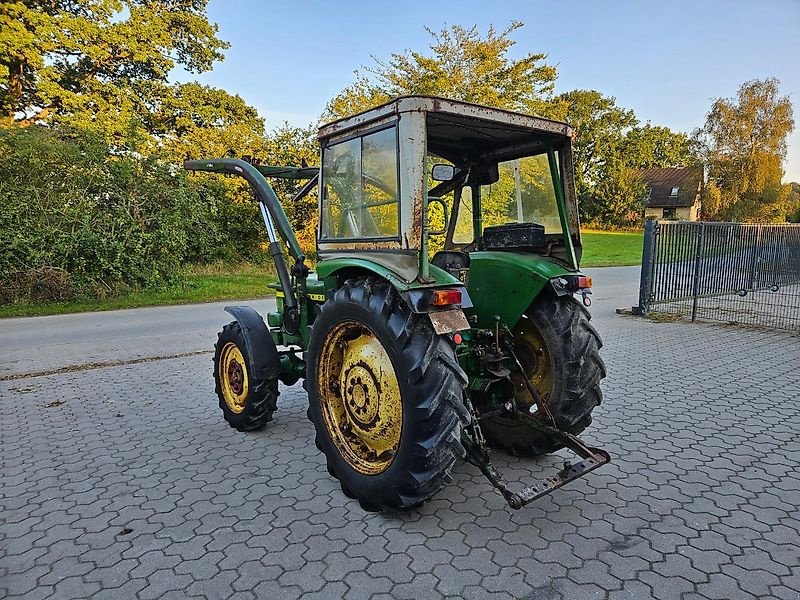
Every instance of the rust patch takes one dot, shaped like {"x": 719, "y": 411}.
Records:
{"x": 448, "y": 321}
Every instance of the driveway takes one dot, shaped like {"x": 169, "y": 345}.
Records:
{"x": 124, "y": 482}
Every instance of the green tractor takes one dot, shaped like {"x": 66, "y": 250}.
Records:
{"x": 442, "y": 319}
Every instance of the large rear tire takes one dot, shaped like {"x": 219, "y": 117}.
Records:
{"x": 560, "y": 353}
{"x": 386, "y": 397}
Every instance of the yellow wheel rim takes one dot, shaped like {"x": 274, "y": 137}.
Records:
{"x": 532, "y": 352}
{"x": 233, "y": 377}
{"x": 360, "y": 397}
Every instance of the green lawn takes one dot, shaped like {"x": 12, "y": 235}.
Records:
{"x": 205, "y": 284}
{"x": 221, "y": 282}
{"x": 611, "y": 248}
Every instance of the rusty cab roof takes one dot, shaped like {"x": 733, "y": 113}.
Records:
{"x": 461, "y": 131}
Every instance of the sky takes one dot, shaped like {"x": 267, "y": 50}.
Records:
{"x": 666, "y": 60}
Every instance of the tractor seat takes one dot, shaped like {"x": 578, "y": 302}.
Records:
{"x": 451, "y": 261}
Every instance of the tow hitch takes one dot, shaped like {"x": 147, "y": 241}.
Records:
{"x": 478, "y": 454}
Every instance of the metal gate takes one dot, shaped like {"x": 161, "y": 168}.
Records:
{"x": 730, "y": 272}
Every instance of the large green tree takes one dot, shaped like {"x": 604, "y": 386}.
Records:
{"x": 743, "y": 143}
{"x": 652, "y": 146}
{"x": 610, "y": 145}
{"x": 463, "y": 64}
{"x": 191, "y": 120}
{"x": 98, "y": 64}
{"x": 600, "y": 127}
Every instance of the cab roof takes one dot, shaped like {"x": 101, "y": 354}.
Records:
{"x": 443, "y": 113}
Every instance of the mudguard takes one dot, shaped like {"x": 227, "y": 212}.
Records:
{"x": 262, "y": 355}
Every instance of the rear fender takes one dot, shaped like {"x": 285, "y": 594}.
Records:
{"x": 263, "y": 361}
{"x": 417, "y": 295}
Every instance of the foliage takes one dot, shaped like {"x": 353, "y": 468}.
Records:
{"x": 98, "y": 64}
{"x": 96, "y": 222}
{"x": 194, "y": 121}
{"x": 618, "y": 198}
{"x": 743, "y": 142}
{"x": 464, "y": 64}
{"x": 609, "y": 146}
{"x": 289, "y": 145}
{"x": 793, "y": 201}
{"x": 651, "y": 146}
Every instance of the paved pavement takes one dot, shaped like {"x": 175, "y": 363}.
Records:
{"x": 124, "y": 482}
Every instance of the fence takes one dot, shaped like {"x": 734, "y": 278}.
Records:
{"x": 731, "y": 272}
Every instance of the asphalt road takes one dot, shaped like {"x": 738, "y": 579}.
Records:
{"x": 38, "y": 344}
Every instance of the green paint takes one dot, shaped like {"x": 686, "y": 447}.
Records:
{"x": 436, "y": 276}
{"x": 288, "y": 172}
{"x": 562, "y": 208}
{"x": 506, "y": 283}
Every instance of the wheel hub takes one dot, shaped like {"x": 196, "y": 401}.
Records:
{"x": 233, "y": 377}
{"x": 361, "y": 405}
{"x": 532, "y": 351}
{"x": 361, "y": 393}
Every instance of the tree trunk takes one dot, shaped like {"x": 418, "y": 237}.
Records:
{"x": 15, "y": 85}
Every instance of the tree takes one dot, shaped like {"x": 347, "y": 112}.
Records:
{"x": 600, "y": 126}
{"x": 463, "y": 65}
{"x": 196, "y": 121}
{"x": 651, "y": 146}
{"x": 98, "y": 64}
{"x": 793, "y": 200}
{"x": 609, "y": 147}
{"x": 618, "y": 198}
{"x": 743, "y": 143}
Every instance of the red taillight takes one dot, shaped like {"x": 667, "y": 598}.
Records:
{"x": 584, "y": 282}
{"x": 446, "y": 297}
{"x": 457, "y": 339}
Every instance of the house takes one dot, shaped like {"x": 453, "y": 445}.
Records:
{"x": 673, "y": 193}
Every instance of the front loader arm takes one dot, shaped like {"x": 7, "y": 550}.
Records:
{"x": 266, "y": 195}
{"x": 274, "y": 216}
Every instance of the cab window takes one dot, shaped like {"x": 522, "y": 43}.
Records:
{"x": 360, "y": 188}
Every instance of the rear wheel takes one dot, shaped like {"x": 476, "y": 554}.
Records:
{"x": 385, "y": 397}
{"x": 559, "y": 352}
{"x": 247, "y": 402}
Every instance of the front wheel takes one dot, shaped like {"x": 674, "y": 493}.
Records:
{"x": 247, "y": 402}
{"x": 385, "y": 397}
{"x": 560, "y": 355}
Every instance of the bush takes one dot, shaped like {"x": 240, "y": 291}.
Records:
{"x": 78, "y": 219}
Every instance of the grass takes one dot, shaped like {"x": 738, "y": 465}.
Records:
{"x": 223, "y": 282}
{"x": 611, "y": 248}
{"x": 200, "y": 284}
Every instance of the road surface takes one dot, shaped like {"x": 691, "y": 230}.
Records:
{"x": 44, "y": 344}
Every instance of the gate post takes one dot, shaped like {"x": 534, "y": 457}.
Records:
{"x": 696, "y": 284}
{"x": 648, "y": 262}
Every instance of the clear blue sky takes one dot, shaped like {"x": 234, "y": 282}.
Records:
{"x": 666, "y": 60}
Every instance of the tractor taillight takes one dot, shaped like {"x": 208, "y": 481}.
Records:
{"x": 446, "y": 297}
{"x": 584, "y": 282}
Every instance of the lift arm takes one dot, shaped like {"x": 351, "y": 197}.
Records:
{"x": 274, "y": 216}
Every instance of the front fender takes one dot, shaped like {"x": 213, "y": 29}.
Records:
{"x": 263, "y": 361}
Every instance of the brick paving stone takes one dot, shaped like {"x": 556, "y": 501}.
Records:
{"x": 701, "y": 422}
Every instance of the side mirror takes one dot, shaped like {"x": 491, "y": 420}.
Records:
{"x": 442, "y": 172}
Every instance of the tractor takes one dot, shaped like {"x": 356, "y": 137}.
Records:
{"x": 445, "y": 314}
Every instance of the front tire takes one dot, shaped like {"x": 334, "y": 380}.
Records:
{"x": 247, "y": 402}
{"x": 385, "y": 397}
{"x": 560, "y": 353}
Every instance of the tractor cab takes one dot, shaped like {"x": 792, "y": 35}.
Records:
{"x": 426, "y": 186}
